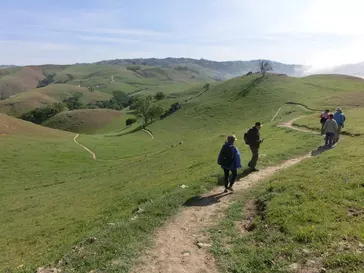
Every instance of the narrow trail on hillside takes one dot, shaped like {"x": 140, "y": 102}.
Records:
{"x": 182, "y": 245}
{"x": 87, "y": 149}
{"x": 149, "y": 133}
{"x": 289, "y": 124}
{"x": 294, "y": 104}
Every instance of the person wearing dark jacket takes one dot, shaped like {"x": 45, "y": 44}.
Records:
{"x": 229, "y": 160}
{"x": 254, "y": 142}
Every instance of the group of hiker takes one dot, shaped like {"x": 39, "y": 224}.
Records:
{"x": 229, "y": 156}
{"x": 331, "y": 125}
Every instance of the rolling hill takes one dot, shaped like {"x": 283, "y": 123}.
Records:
{"x": 19, "y": 79}
{"x": 41, "y": 97}
{"x": 12, "y": 126}
{"x": 212, "y": 69}
{"x": 82, "y": 121}
{"x": 82, "y": 215}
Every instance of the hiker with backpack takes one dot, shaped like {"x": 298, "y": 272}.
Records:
{"x": 340, "y": 119}
{"x": 252, "y": 138}
{"x": 323, "y": 118}
{"x": 229, "y": 160}
{"x": 330, "y": 129}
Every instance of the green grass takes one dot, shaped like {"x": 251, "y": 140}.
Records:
{"x": 61, "y": 196}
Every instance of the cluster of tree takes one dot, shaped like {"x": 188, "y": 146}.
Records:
{"x": 133, "y": 68}
{"x": 119, "y": 101}
{"x": 146, "y": 110}
{"x": 206, "y": 86}
{"x": 160, "y": 96}
{"x": 74, "y": 102}
{"x": 47, "y": 80}
{"x": 40, "y": 115}
{"x": 174, "y": 107}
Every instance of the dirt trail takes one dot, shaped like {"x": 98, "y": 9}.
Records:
{"x": 289, "y": 125}
{"x": 149, "y": 133}
{"x": 87, "y": 149}
{"x": 182, "y": 245}
{"x": 176, "y": 247}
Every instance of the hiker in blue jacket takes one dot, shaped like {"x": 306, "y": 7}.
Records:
{"x": 340, "y": 120}
{"x": 229, "y": 160}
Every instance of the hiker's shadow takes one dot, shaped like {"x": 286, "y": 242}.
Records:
{"x": 320, "y": 150}
{"x": 203, "y": 201}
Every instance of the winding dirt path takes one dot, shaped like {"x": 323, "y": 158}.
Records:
{"x": 182, "y": 245}
{"x": 87, "y": 149}
{"x": 290, "y": 125}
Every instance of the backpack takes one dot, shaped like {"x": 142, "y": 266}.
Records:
{"x": 227, "y": 159}
{"x": 246, "y": 137}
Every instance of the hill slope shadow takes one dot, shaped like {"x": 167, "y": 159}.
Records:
{"x": 246, "y": 90}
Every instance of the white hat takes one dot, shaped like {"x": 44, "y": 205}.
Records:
{"x": 338, "y": 109}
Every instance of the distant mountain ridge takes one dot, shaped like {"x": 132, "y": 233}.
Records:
{"x": 212, "y": 69}
{"x": 3, "y": 66}
{"x": 356, "y": 69}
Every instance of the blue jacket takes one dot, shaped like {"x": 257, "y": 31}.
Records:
{"x": 339, "y": 118}
{"x": 236, "y": 157}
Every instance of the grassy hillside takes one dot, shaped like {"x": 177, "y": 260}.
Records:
{"x": 82, "y": 121}
{"x": 19, "y": 79}
{"x": 54, "y": 205}
{"x": 40, "y": 97}
{"x": 212, "y": 69}
{"x": 10, "y": 126}
{"x": 306, "y": 219}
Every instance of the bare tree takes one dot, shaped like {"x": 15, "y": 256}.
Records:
{"x": 264, "y": 67}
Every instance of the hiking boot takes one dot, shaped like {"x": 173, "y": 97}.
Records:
{"x": 254, "y": 170}
{"x": 226, "y": 190}
{"x": 230, "y": 189}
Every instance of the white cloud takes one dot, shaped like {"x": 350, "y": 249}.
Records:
{"x": 318, "y": 32}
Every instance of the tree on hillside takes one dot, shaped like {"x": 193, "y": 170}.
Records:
{"x": 121, "y": 98}
{"x": 130, "y": 121}
{"x": 206, "y": 86}
{"x": 47, "y": 80}
{"x": 40, "y": 115}
{"x": 146, "y": 110}
{"x": 59, "y": 106}
{"x": 155, "y": 112}
{"x": 74, "y": 102}
{"x": 159, "y": 96}
{"x": 264, "y": 67}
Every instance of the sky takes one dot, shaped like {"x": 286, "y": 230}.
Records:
{"x": 320, "y": 33}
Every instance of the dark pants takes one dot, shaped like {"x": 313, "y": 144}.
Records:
{"x": 233, "y": 177}
{"x": 329, "y": 139}
{"x": 255, "y": 156}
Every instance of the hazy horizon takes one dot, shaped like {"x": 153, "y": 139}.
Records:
{"x": 317, "y": 33}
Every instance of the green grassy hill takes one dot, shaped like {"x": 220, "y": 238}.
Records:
{"x": 62, "y": 196}
{"x": 82, "y": 121}
{"x": 41, "y": 97}
{"x": 19, "y": 94}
